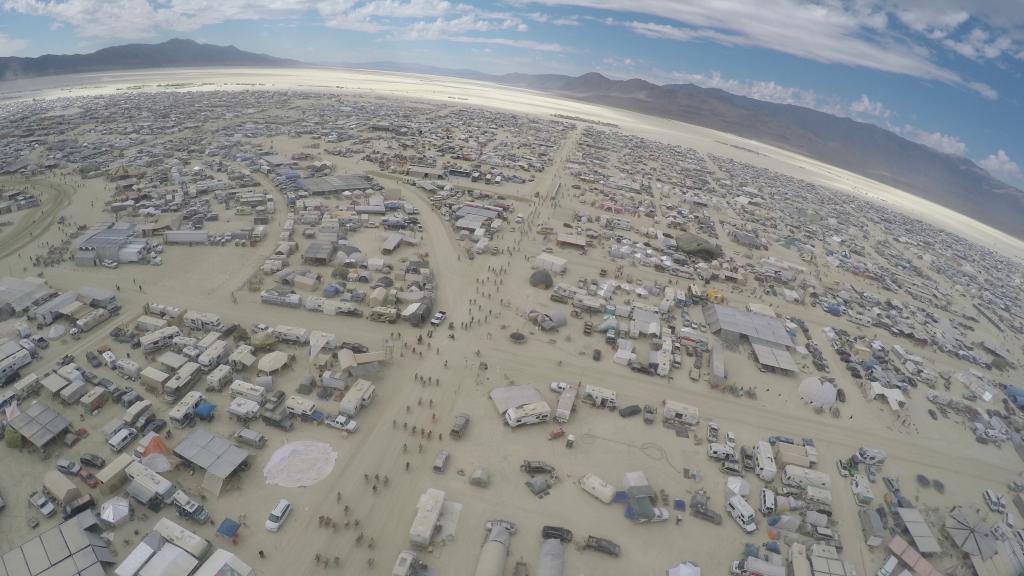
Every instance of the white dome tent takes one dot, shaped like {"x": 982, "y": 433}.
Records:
{"x": 818, "y": 393}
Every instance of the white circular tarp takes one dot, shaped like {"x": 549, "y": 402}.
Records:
{"x": 818, "y": 393}
{"x": 300, "y": 464}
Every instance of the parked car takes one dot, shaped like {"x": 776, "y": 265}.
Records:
{"x": 355, "y": 347}
{"x": 155, "y": 425}
{"x": 92, "y": 460}
{"x": 88, "y": 478}
{"x": 40, "y": 342}
{"x": 42, "y": 504}
{"x": 559, "y": 387}
{"x": 342, "y": 422}
{"x": 68, "y": 467}
{"x": 731, "y": 468}
{"x": 650, "y": 412}
{"x": 631, "y": 410}
{"x": 278, "y": 515}
{"x": 438, "y": 318}
{"x": 93, "y": 359}
{"x": 603, "y": 545}
{"x": 596, "y": 355}
{"x": 66, "y": 359}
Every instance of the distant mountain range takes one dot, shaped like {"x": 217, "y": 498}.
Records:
{"x": 170, "y": 54}
{"x": 866, "y": 149}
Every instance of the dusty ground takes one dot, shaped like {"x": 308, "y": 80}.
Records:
{"x": 204, "y": 278}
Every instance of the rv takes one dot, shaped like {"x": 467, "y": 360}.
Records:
{"x": 153, "y": 379}
{"x": 300, "y": 407}
{"x": 137, "y": 412}
{"x": 428, "y": 512}
{"x": 147, "y": 324}
{"x": 383, "y": 314}
{"x": 251, "y": 438}
{"x": 9, "y": 366}
{"x": 243, "y": 408}
{"x": 92, "y": 319}
{"x": 718, "y": 451}
{"x": 679, "y": 413}
{"x": 742, "y": 513}
{"x": 600, "y": 397}
{"x": 243, "y": 389}
{"x": 217, "y": 352}
{"x": 27, "y": 386}
{"x": 597, "y": 488}
{"x": 566, "y": 403}
{"x": 202, "y": 321}
{"x": 359, "y": 395}
{"x": 764, "y": 461}
{"x": 218, "y": 378}
{"x": 533, "y": 413}
{"x": 128, "y": 369}
{"x": 206, "y": 341}
{"x": 159, "y": 339}
{"x": 181, "y": 382}
{"x": 802, "y": 477}
{"x": 291, "y": 334}
{"x": 183, "y": 412}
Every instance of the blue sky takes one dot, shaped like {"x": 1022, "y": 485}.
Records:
{"x": 946, "y": 73}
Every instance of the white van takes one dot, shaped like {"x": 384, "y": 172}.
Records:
{"x": 118, "y": 441}
{"x": 767, "y": 502}
{"x": 742, "y": 513}
{"x": 718, "y": 451}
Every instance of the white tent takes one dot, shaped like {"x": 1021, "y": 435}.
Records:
{"x": 684, "y": 569}
{"x": 736, "y": 486}
{"x": 818, "y": 393}
{"x": 115, "y": 511}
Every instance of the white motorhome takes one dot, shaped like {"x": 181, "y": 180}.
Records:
{"x": 428, "y": 512}
{"x": 159, "y": 339}
{"x": 243, "y": 389}
{"x": 9, "y": 366}
{"x": 137, "y": 412}
{"x": 533, "y": 413}
{"x": 742, "y": 513}
{"x": 218, "y": 378}
{"x": 358, "y": 396}
{"x": 679, "y": 413}
{"x": 27, "y": 386}
{"x": 184, "y": 411}
{"x": 181, "y": 382}
{"x": 301, "y": 407}
{"x": 764, "y": 461}
{"x": 597, "y": 488}
{"x": 718, "y": 451}
{"x": 291, "y": 334}
{"x": 213, "y": 356}
{"x": 803, "y": 477}
{"x": 243, "y": 408}
{"x": 202, "y": 321}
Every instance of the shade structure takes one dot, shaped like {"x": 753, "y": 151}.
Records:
{"x": 272, "y": 362}
{"x": 684, "y": 569}
{"x": 970, "y": 534}
{"x": 541, "y": 279}
{"x": 818, "y": 393}
{"x": 736, "y": 486}
{"x": 115, "y": 511}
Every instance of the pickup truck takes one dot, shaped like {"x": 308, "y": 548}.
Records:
{"x": 699, "y": 508}
{"x": 713, "y": 432}
{"x": 532, "y": 467}
{"x": 342, "y": 422}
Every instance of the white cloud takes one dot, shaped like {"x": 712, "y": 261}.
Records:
{"x": 979, "y": 45}
{"x": 514, "y": 43}
{"x": 11, "y": 46}
{"x": 933, "y": 24}
{"x": 1001, "y": 166}
{"x": 442, "y": 29}
{"x": 986, "y": 91}
{"x": 935, "y": 140}
{"x": 869, "y": 107}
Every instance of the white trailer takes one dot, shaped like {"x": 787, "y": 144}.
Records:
{"x": 597, "y": 488}
{"x": 243, "y": 389}
{"x": 800, "y": 477}
{"x": 213, "y": 356}
{"x": 218, "y": 378}
{"x": 92, "y": 319}
{"x": 600, "y": 397}
{"x": 181, "y": 382}
{"x": 9, "y": 366}
{"x": 533, "y": 413}
{"x": 424, "y": 524}
{"x": 566, "y": 403}
{"x": 243, "y": 409}
{"x": 679, "y": 413}
{"x": 159, "y": 339}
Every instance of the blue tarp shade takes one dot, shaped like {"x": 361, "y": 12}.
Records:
{"x": 228, "y": 528}
{"x": 205, "y": 410}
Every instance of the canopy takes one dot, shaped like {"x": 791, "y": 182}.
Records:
{"x": 686, "y": 569}
{"x": 272, "y": 362}
{"x": 968, "y": 532}
{"x": 115, "y": 511}
{"x": 818, "y": 393}
{"x": 228, "y": 528}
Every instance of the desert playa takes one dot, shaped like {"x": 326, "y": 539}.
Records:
{"x": 381, "y": 256}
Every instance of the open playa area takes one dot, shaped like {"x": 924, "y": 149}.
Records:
{"x": 313, "y": 321}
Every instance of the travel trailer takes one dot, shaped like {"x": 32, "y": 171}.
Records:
{"x": 533, "y": 413}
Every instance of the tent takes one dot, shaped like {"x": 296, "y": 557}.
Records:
{"x": 818, "y": 393}
{"x": 542, "y": 279}
{"x": 736, "y": 486}
{"x": 968, "y": 532}
{"x": 115, "y": 511}
{"x": 684, "y": 569}
{"x": 272, "y": 362}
